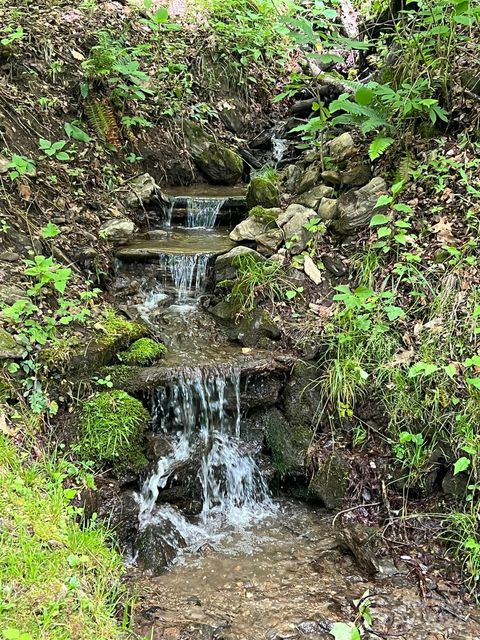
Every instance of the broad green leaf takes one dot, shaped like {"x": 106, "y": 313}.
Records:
{"x": 462, "y": 464}
{"x": 450, "y": 370}
{"x": 393, "y": 312}
{"x": 474, "y": 382}
{"x": 383, "y": 200}
{"x": 364, "y": 96}
{"x": 383, "y": 232}
{"x": 422, "y": 368}
{"x": 344, "y": 631}
{"x": 379, "y": 219}
{"x": 50, "y": 230}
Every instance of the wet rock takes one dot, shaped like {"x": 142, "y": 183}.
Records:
{"x": 225, "y": 268}
{"x": 327, "y": 209}
{"x": 252, "y": 329}
{"x": 334, "y": 265}
{"x": 455, "y": 485}
{"x": 142, "y": 190}
{"x": 356, "y": 207}
{"x": 330, "y": 482}
{"x": 262, "y": 390}
{"x": 219, "y": 163}
{"x": 156, "y": 546}
{"x": 301, "y": 396}
{"x": 157, "y": 234}
{"x": 296, "y": 217}
{"x": 308, "y": 179}
{"x": 312, "y": 198}
{"x": 312, "y": 271}
{"x": 287, "y": 443}
{"x": 117, "y": 230}
{"x": 291, "y": 176}
{"x": 116, "y": 508}
{"x": 342, "y": 147}
{"x": 356, "y": 176}
{"x": 262, "y": 192}
{"x": 363, "y": 543}
{"x": 9, "y": 347}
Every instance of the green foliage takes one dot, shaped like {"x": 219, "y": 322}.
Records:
{"x": 256, "y": 279}
{"x": 263, "y": 215}
{"x": 111, "y": 425}
{"x": 143, "y": 352}
{"x": 70, "y": 575}
{"x": 20, "y": 166}
{"x": 55, "y": 149}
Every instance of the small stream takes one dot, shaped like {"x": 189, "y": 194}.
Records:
{"x": 217, "y": 556}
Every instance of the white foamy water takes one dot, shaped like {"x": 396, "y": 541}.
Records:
{"x": 202, "y": 212}
{"x": 188, "y": 273}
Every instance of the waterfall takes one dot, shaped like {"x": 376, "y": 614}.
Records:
{"x": 202, "y": 412}
{"x": 188, "y": 273}
{"x": 202, "y": 212}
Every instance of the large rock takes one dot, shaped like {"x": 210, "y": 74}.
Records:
{"x": 9, "y": 294}
{"x": 262, "y": 192}
{"x": 312, "y": 198}
{"x": 291, "y": 176}
{"x": 330, "y": 483}
{"x": 9, "y": 348}
{"x": 328, "y": 209}
{"x": 116, "y": 508}
{"x": 269, "y": 241}
{"x": 356, "y": 176}
{"x": 294, "y": 228}
{"x": 287, "y": 443}
{"x": 301, "y": 398}
{"x": 248, "y": 230}
{"x": 308, "y": 179}
{"x": 142, "y": 190}
{"x": 219, "y": 163}
{"x": 225, "y": 265}
{"x": 356, "y": 207}
{"x": 363, "y": 542}
{"x": 117, "y": 230}
{"x": 342, "y": 147}
{"x": 156, "y": 545}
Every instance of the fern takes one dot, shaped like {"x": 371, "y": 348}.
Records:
{"x": 102, "y": 119}
{"x": 378, "y": 146}
{"x": 404, "y": 169}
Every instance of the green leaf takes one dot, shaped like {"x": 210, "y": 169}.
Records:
{"x": 462, "y": 464}
{"x": 383, "y": 200}
{"x": 378, "y": 146}
{"x": 44, "y": 144}
{"x": 393, "y": 312}
{"x": 383, "y": 232}
{"x": 75, "y": 132}
{"x": 364, "y": 96}
{"x": 379, "y": 219}
{"x": 474, "y": 382}
{"x": 450, "y": 370}
{"x": 422, "y": 368}
{"x": 62, "y": 156}
{"x": 50, "y": 231}
{"x": 343, "y": 631}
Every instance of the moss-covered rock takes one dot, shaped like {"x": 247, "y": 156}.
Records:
{"x": 219, "y": 163}
{"x": 262, "y": 192}
{"x": 143, "y": 352}
{"x": 263, "y": 214}
{"x": 330, "y": 483}
{"x": 9, "y": 347}
{"x": 111, "y": 429}
{"x": 288, "y": 445}
{"x": 301, "y": 397}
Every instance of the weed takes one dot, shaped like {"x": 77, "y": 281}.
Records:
{"x": 256, "y": 279}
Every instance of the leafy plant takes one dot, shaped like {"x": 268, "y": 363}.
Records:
{"x": 20, "y": 166}
{"x": 55, "y": 149}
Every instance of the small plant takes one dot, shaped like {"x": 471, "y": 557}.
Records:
{"x": 143, "y": 352}
{"x": 55, "y": 149}
{"x": 256, "y": 278}
{"x": 12, "y": 34}
{"x": 20, "y": 166}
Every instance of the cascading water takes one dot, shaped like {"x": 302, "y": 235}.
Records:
{"x": 202, "y": 410}
{"x": 202, "y": 212}
{"x": 188, "y": 273}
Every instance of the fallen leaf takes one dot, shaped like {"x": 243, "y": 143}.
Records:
{"x": 443, "y": 229}
{"x": 25, "y": 191}
{"x": 76, "y": 55}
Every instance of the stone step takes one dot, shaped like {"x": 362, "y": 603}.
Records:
{"x": 177, "y": 242}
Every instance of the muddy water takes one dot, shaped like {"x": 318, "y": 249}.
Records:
{"x": 286, "y": 579}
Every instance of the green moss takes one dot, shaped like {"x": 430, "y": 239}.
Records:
{"x": 112, "y": 424}
{"x": 263, "y": 192}
{"x": 288, "y": 446}
{"x": 121, "y": 330}
{"x": 143, "y": 352}
{"x": 58, "y": 356}
{"x": 264, "y": 215}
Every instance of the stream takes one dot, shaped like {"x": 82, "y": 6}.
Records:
{"x": 216, "y": 554}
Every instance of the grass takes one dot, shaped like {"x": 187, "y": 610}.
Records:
{"x": 256, "y": 279}
{"x": 58, "y": 580}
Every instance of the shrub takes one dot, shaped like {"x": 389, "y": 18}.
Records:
{"x": 112, "y": 425}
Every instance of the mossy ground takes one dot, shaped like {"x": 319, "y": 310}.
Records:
{"x": 143, "y": 352}
{"x": 58, "y": 580}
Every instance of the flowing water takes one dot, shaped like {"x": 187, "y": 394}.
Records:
{"x": 239, "y": 565}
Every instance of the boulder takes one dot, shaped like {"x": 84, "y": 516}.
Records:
{"x": 331, "y": 177}
{"x": 116, "y": 508}
{"x": 312, "y": 198}
{"x": 356, "y": 176}
{"x": 268, "y": 242}
{"x": 225, "y": 268}
{"x": 342, "y": 147}
{"x": 117, "y": 230}
{"x": 311, "y": 269}
{"x": 356, "y": 207}
{"x": 327, "y": 209}
{"x": 301, "y": 397}
{"x": 455, "y": 485}
{"x": 248, "y": 230}
{"x": 330, "y": 482}
{"x": 288, "y": 444}
{"x": 291, "y": 176}
{"x": 294, "y": 228}
{"x": 308, "y": 179}
{"x": 9, "y": 347}
{"x": 9, "y": 294}
{"x": 219, "y": 163}
{"x": 142, "y": 190}
{"x": 256, "y": 329}
{"x": 262, "y": 192}
{"x": 157, "y": 544}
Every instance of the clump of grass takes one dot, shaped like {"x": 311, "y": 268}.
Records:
{"x": 143, "y": 352}
{"x": 58, "y": 579}
{"x": 111, "y": 425}
{"x": 256, "y": 279}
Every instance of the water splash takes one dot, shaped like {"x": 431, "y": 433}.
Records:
{"x": 279, "y": 146}
{"x": 202, "y": 410}
{"x": 202, "y": 212}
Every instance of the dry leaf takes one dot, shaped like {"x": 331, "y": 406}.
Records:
{"x": 76, "y": 55}
{"x": 443, "y": 229}
{"x": 3, "y": 426}
{"x": 25, "y": 191}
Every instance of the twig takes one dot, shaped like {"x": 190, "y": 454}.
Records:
{"x": 358, "y": 506}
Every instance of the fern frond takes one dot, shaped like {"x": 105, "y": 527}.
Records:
{"x": 378, "y": 146}
{"x": 404, "y": 169}
{"x": 102, "y": 119}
